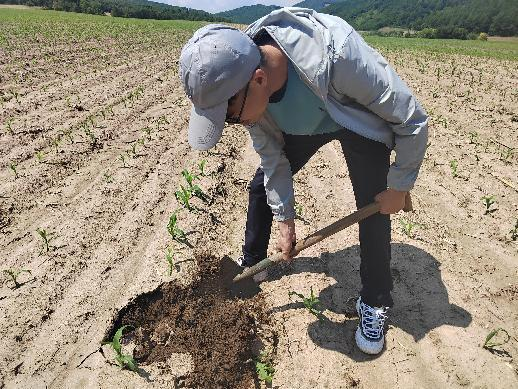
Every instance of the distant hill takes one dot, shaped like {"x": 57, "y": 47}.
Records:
{"x": 317, "y": 5}
{"x": 141, "y": 9}
{"x": 496, "y": 17}
{"x": 247, "y": 14}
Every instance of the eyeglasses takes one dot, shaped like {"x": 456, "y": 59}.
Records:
{"x": 233, "y": 120}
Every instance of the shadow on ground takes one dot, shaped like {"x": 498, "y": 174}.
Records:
{"x": 421, "y": 300}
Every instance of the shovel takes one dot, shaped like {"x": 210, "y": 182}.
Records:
{"x": 316, "y": 237}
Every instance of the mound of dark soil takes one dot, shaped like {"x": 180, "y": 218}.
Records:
{"x": 201, "y": 319}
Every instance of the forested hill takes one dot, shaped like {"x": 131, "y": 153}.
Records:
{"x": 247, "y": 14}
{"x": 123, "y": 8}
{"x": 496, "y": 17}
{"x": 250, "y": 13}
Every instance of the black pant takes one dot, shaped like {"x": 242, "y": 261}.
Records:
{"x": 368, "y": 163}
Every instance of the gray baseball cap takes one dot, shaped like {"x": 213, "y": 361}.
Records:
{"x": 215, "y": 64}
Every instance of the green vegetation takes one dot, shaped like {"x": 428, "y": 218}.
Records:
{"x": 488, "y": 202}
{"x": 176, "y": 232}
{"x": 507, "y": 50}
{"x": 264, "y": 368}
{"x": 169, "y": 256}
{"x": 247, "y": 14}
{"x": 310, "y": 303}
{"x": 407, "y": 227}
{"x": 453, "y": 165}
{"x": 123, "y": 360}
{"x": 14, "y": 273}
{"x": 451, "y": 18}
{"x": 46, "y": 237}
{"x": 140, "y": 9}
{"x": 491, "y": 339}
{"x": 12, "y": 166}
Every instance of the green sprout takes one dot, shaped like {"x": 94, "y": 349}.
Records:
{"x": 122, "y": 157}
{"x": 407, "y": 226}
{"x": 453, "y": 165}
{"x": 12, "y": 166}
{"x": 514, "y": 231}
{"x": 184, "y": 195}
{"x": 14, "y": 273}
{"x": 134, "y": 149}
{"x": 490, "y": 343}
{"x": 310, "y": 303}
{"x": 172, "y": 227}
{"x": 201, "y": 166}
{"x": 264, "y": 369}
{"x": 39, "y": 155}
{"x": 46, "y": 237}
{"x": 488, "y": 202}
{"x": 506, "y": 155}
{"x": 298, "y": 211}
{"x": 169, "y": 256}
{"x": 9, "y": 127}
{"x": 108, "y": 177}
{"x": 123, "y": 360}
{"x": 147, "y": 131}
{"x": 194, "y": 189}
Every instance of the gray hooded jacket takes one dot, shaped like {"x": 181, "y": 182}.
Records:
{"x": 360, "y": 90}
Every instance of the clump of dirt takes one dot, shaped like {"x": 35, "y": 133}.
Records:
{"x": 202, "y": 319}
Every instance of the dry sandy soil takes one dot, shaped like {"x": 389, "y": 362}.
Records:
{"x": 455, "y": 274}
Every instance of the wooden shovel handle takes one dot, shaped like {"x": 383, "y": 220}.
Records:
{"x": 316, "y": 237}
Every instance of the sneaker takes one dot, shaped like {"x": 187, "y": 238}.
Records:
{"x": 259, "y": 277}
{"x": 369, "y": 334}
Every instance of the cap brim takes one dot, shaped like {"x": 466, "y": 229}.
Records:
{"x": 206, "y": 126}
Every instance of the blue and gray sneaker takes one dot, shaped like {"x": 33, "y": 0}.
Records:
{"x": 259, "y": 277}
{"x": 369, "y": 334}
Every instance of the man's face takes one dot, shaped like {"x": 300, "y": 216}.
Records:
{"x": 251, "y": 101}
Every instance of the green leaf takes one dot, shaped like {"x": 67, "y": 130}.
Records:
{"x": 264, "y": 371}
{"x": 488, "y": 344}
{"x": 116, "y": 344}
{"x": 126, "y": 361}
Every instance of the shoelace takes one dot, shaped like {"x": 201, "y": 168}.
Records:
{"x": 373, "y": 320}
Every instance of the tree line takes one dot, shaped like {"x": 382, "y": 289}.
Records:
{"x": 140, "y": 9}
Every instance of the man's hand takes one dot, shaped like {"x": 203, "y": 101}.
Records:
{"x": 287, "y": 237}
{"x": 391, "y": 201}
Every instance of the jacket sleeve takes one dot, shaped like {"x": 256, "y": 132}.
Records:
{"x": 278, "y": 180}
{"x": 362, "y": 74}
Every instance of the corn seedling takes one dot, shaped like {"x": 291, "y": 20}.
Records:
{"x": 108, "y": 177}
{"x": 194, "y": 189}
{"x": 122, "y": 157}
{"x": 506, "y": 155}
{"x": 310, "y": 303}
{"x": 147, "y": 131}
{"x": 491, "y": 339}
{"x": 264, "y": 369}
{"x": 39, "y": 155}
{"x": 46, "y": 237}
{"x": 298, "y": 211}
{"x": 183, "y": 196}
{"x": 201, "y": 166}
{"x": 14, "y": 273}
{"x": 123, "y": 360}
{"x": 169, "y": 256}
{"x": 176, "y": 233}
{"x": 8, "y": 126}
{"x": 514, "y": 231}
{"x": 12, "y": 166}
{"x": 407, "y": 227}
{"x": 488, "y": 202}
{"x": 453, "y": 165}
{"x": 134, "y": 149}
